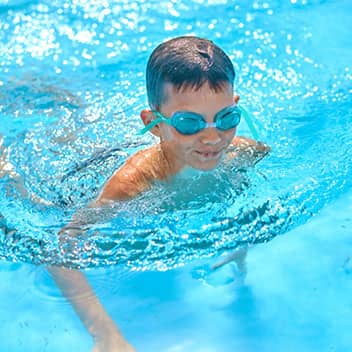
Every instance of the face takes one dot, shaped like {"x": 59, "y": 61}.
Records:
{"x": 205, "y": 149}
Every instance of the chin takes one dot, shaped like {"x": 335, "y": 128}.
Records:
{"x": 205, "y": 166}
{"x": 207, "y": 163}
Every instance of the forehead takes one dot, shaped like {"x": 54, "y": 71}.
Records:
{"x": 202, "y": 99}
{"x": 171, "y": 90}
{"x": 187, "y": 93}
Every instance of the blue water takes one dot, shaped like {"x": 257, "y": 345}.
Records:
{"x": 296, "y": 296}
{"x": 71, "y": 88}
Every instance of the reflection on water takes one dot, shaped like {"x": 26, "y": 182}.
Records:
{"x": 72, "y": 85}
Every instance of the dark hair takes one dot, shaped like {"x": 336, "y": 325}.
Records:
{"x": 187, "y": 62}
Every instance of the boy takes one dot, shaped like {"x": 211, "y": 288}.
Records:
{"x": 194, "y": 113}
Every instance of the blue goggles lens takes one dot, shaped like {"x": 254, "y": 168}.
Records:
{"x": 188, "y": 123}
{"x": 191, "y": 123}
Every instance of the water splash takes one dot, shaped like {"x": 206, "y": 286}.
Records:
{"x": 69, "y": 101}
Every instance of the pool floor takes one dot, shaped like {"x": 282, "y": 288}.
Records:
{"x": 296, "y": 297}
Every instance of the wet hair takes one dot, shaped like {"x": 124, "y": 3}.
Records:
{"x": 187, "y": 63}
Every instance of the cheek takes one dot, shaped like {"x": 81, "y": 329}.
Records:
{"x": 170, "y": 134}
{"x": 166, "y": 133}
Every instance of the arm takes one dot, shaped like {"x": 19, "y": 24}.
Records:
{"x": 134, "y": 177}
{"x": 76, "y": 288}
{"x": 78, "y": 291}
{"x": 247, "y": 152}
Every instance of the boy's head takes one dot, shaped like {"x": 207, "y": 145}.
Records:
{"x": 187, "y": 63}
{"x": 193, "y": 110}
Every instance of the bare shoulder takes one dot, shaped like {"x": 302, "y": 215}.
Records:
{"x": 248, "y": 150}
{"x": 135, "y": 175}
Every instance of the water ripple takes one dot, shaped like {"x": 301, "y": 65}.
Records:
{"x": 71, "y": 88}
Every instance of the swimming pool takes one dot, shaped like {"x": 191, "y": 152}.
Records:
{"x": 71, "y": 87}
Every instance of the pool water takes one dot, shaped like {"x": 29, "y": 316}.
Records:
{"x": 71, "y": 88}
{"x": 296, "y": 296}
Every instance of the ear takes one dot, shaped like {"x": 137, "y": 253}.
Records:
{"x": 147, "y": 117}
{"x": 236, "y": 98}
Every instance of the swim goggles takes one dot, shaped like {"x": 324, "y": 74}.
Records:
{"x": 188, "y": 123}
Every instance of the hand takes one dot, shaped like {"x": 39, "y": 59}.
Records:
{"x": 108, "y": 337}
{"x": 112, "y": 343}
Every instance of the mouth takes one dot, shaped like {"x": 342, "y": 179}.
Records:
{"x": 209, "y": 155}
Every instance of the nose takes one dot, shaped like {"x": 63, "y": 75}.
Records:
{"x": 211, "y": 136}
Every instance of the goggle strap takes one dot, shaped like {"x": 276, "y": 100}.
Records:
{"x": 249, "y": 122}
{"x": 153, "y": 124}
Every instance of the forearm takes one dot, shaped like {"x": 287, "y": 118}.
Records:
{"x": 74, "y": 284}
{"x": 76, "y": 288}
